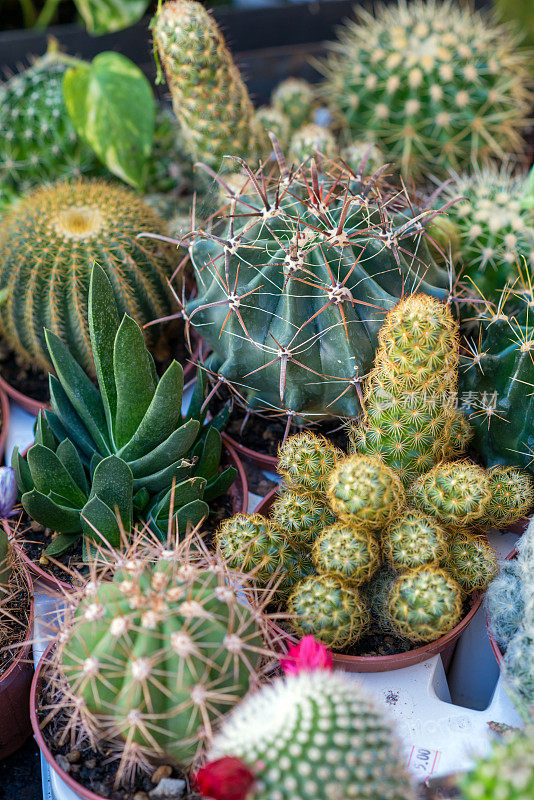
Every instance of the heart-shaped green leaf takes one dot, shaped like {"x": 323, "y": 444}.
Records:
{"x": 106, "y": 16}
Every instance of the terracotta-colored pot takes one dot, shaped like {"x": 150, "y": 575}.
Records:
{"x": 15, "y": 726}
{"x": 497, "y": 652}
{"x": 4, "y": 421}
{"x": 261, "y": 460}
{"x": 444, "y": 645}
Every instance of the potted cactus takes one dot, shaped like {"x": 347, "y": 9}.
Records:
{"x": 16, "y": 622}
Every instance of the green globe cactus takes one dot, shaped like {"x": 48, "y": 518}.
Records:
{"x": 256, "y": 546}
{"x": 362, "y": 157}
{"x": 512, "y": 496}
{"x": 471, "y": 561}
{"x": 412, "y": 540}
{"x": 507, "y": 772}
{"x": 411, "y": 420}
{"x": 346, "y": 552}
{"x": 210, "y": 99}
{"x": 312, "y": 140}
{"x": 365, "y": 492}
{"x": 305, "y": 460}
{"x": 294, "y": 98}
{"x": 302, "y": 516}
{"x": 457, "y": 494}
{"x": 436, "y": 84}
{"x": 48, "y": 245}
{"x": 315, "y": 734}
{"x": 306, "y": 279}
{"x": 156, "y": 656}
{"x": 329, "y": 609}
{"x": 274, "y": 121}
{"x": 424, "y": 604}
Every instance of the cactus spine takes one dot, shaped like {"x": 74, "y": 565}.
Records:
{"x": 456, "y": 493}
{"x": 413, "y": 539}
{"x": 347, "y": 553}
{"x": 305, "y": 461}
{"x": 471, "y": 561}
{"x": 302, "y": 516}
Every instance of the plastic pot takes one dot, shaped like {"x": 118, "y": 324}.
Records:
{"x": 15, "y": 726}
{"x": 443, "y": 646}
{"x": 261, "y": 460}
{"x": 4, "y": 421}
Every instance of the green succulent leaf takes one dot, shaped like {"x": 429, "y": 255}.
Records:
{"x": 177, "y": 446}
{"x": 220, "y": 485}
{"x": 43, "y": 432}
{"x": 99, "y": 523}
{"x": 104, "y": 323}
{"x": 22, "y": 472}
{"x": 184, "y": 493}
{"x": 133, "y": 379}
{"x": 69, "y": 457}
{"x": 192, "y": 514}
{"x": 50, "y": 475}
{"x": 107, "y": 16}
{"x": 208, "y": 464}
{"x": 163, "y": 479}
{"x": 48, "y": 513}
{"x": 113, "y": 485}
{"x": 112, "y": 107}
{"x": 60, "y": 544}
{"x": 197, "y": 398}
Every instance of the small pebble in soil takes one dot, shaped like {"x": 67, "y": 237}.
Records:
{"x": 168, "y": 789}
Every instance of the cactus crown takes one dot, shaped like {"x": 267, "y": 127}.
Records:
{"x": 456, "y": 493}
{"x": 347, "y": 553}
{"x": 294, "y": 280}
{"x": 413, "y": 539}
{"x": 471, "y": 561}
{"x": 301, "y": 515}
{"x": 436, "y": 83}
{"x": 305, "y": 460}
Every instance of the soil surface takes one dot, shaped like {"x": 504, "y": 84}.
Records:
{"x": 14, "y": 617}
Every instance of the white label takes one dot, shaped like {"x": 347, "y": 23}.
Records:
{"x": 422, "y": 761}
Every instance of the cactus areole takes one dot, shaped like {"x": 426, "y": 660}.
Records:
{"x": 295, "y": 279}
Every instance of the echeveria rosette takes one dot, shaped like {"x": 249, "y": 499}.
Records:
{"x": 123, "y": 445}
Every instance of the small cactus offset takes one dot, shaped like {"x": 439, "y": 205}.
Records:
{"x": 424, "y": 604}
{"x": 274, "y": 121}
{"x": 346, "y": 552}
{"x": 256, "y": 546}
{"x": 302, "y": 516}
{"x": 294, "y": 98}
{"x": 48, "y": 244}
{"x": 506, "y": 773}
{"x": 413, "y": 539}
{"x": 210, "y": 99}
{"x": 457, "y": 494}
{"x": 512, "y": 496}
{"x": 311, "y": 735}
{"x": 437, "y": 84}
{"x": 305, "y": 461}
{"x": 329, "y": 609}
{"x": 365, "y": 492}
{"x": 362, "y": 157}
{"x": 471, "y": 561}
{"x": 312, "y": 140}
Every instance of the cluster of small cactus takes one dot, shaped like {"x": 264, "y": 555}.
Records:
{"x": 436, "y": 84}
{"x": 48, "y": 245}
{"x": 507, "y": 772}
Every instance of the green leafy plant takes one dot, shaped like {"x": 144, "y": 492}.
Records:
{"x": 123, "y": 446}
{"x": 99, "y": 18}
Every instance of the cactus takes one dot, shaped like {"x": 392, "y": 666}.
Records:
{"x": 436, "y": 84}
{"x": 302, "y": 516}
{"x": 305, "y": 281}
{"x": 274, "y": 121}
{"x": 410, "y": 395}
{"x": 311, "y": 140}
{"x": 512, "y": 496}
{"x": 471, "y": 561}
{"x": 315, "y": 734}
{"x": 424, "y": 604}
{"x": 329, "y": 609}
{"x": 209, "y": 97}
{"x": 156, "y": 656}
{"x": 412, "y": 540}
{"x": 505, "y": 604}
{"x": 48, "y": 244}
{"x": 256, "y": 546}
{"x": 347, "y": 553}
{"x": 493, "y": 227}
{"x": 519, "y": 665}
{"x": 362, "y": 157}
{"x": 457, "y": 494}
{"x": 507, "y": 772}
{"x": 294, "y": 98}
{"x": 365, "y": 492}
{"x": 305, "y": 460}
{"x": 122, "y": 445}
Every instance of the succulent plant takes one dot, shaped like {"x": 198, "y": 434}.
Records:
{"x": 436, "y": 84}
{"x": 519, "y": 665}
{"x": 365, "y": 492}
{"x": 512, "y": 496}
{"x": 122, "y": 445}
{"x": 411, "y": 420}
{"x": 153, "y": 658}
{"x": 346, "y": 552}
{"x": 362, "y": 157}
{"x": 329, "y": 609}
{"x": 302, "y": 516}
{"x": 471, "y": 561}
{"x": 294, "y": 98}
{"x": 305, "y": 460}
{"x": 457, "y": 494}
{"x": 274, "y": 121}
{"x": 493, "y": 227}
{"x": 293, "y": 322}
{"x": 312, "y": 140}
{"x": 424, "y": 604}
{"x": 210, "y": 99}
{"x": 413, "y": 539}
{"x": 254, "y": 545}
{"x": 505, "y": 604}
{"x": 48, "y": 244}
{"x": 507, "y": 772}
{"x": 315, "y": 734}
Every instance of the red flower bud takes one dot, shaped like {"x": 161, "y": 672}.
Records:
{"x": 227, "y": 778}
{"x": 307, "y": 656}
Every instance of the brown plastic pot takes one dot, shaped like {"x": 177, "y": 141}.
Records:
{"x": 443, "y": 646}
{"x": 4, "y": 421}
{"x": 15, "y": 726}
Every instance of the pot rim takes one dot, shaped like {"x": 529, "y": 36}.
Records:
{"x": 5, "y": 408}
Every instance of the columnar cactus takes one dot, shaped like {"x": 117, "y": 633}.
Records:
{"x": 305, "y": 460}
{"x": 314, "y": 735}
{"x": 507, "y": 772}
{"x": 424, "y": 604}
{"x": 210, "y": 99}
{"x": 329, "y": 609}
{"x": 413, "y": 539}
{"x": 309, "y": 264}
{"x": 48, "y": 245}
{"x": 411, "y": 420}
{"x": 346, "y": 552}
{"x": 457, "y": 494}
{"x": 365, "y": 492}
{"x": 436, "y": 84}
{"x": 302, "y": 516}
{"x": 294, "y": 98}
{"x": 471, "y": 561}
